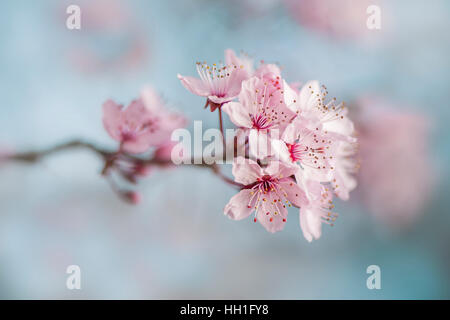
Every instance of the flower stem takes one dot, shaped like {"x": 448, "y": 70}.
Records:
{"x": 221, "y": 131}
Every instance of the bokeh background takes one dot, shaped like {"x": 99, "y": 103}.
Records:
{"x": 177, "y": 243}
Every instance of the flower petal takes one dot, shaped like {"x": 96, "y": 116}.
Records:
{"x": 246, "y": 171}
{"x": 238, "y": 114}
{"x": 152, "y": 101}
{"x": 289, "y": 94}
{"x": 293, "y": 192}
{"x": 311, "y": 223}
{"x": 278, "y": 169}
{"x": 194, "y": 85}
{"x": 273, "y": 213}
{"x": 238, "y": 206}
{"x": 112, "y": 118}
{"x": 280, "y": 151}
{"x": 308, "y": 95}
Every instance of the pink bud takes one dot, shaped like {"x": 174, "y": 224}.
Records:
{"x": 133, "y": 197}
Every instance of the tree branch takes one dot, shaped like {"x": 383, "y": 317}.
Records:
{"x": 35, "y": 156}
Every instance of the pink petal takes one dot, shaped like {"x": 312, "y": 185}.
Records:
{"x": 232, "y": 59}
{"x": 140, "y": 144}
{"x": 151, "y": 99}
{"x": 194, "y": 85}
{"x": 136, "y": 112}
{"x": 238, "y": 206}
{"x": 280, "y": 169}
{"x": 266, "y": 214}
{"x": 247, "y": 95}
{"x": 311, "y": 223}
{"x": 259, "y": 144}
{"x": 246, "y": 171}
{"x": 343, "y": 126}
{"x": 290, "y": 95}
{"x": 112, "y": 118}
{"x": 270, "y": 70}
{"x": 294, "y": 193}
{"x": 221, "y": 100}
{"x": 164, "y": 151}
{"x": 280, "y": 151}
{"x": 308, "y": 95}
{"x": 238, "y": 114}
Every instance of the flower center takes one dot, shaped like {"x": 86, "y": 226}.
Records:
{"x": 260, "y": 122}
{"x": 296, "y": 151}
{"x": 266, "y": 183}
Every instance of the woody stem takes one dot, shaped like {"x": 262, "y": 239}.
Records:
{"x": 34, "y": 156}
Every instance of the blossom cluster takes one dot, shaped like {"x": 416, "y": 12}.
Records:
{"x": 145, "y": 125}
{"x": 309, "y": 143}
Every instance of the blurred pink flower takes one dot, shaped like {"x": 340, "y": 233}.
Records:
{"x": 124, "y": 43}
{"x": 164, "y": 152}
{"x": 133, "y": 126}
{"x": 219, "y": 83}
{"x": 268, "y": 191}
{"x": 396, "y": 174}
{"x": 143, "y": 124}
{"x": 343, "y": 18}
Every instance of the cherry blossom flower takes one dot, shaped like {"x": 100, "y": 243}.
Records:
{"x": 141, "y": 125}
{"x": 168, "y": 119}
{"x": 331, "y": 136}
{"x": 260, "y": 110}
{"x": 304, "y": 144}
{"x": 219, "y": 83}
{"x": 267, "y": 192}
{"x": 311, "y": 103}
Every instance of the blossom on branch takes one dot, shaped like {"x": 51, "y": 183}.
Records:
{"x": 267, "y": 192}
{"x": 297, "y": 129}
{"x": 143, "y": 124}
{"x": 219, "y": 83}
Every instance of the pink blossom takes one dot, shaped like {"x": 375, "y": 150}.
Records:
{"x": 267, "y": 192}
{"x": 133, "y": 197}
{"x": 311, "y": 103}
{"x": 342, "y": 19}
{"x": 396, "y": 174}
{"x": 141, "y": 125}
{"x": 115, "y": 21}
{"x": 168, "y": 119}
{"x": 259, "y": 111}
{"x": 268, "y": 71}
{"x": 220, "y": 83}
{"x": 324, "y": 127}
{"x": 304, "y": 144}
{"x": 164, "y": 152}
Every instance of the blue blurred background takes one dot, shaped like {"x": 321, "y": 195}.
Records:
{"x": 177, "y": 243}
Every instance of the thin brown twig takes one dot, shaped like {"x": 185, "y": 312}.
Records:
{"x": 35, "y": 156}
